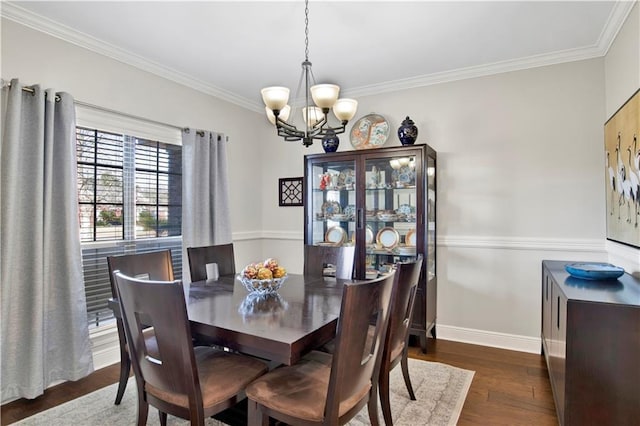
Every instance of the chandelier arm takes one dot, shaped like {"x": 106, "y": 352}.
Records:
{"x": 336, "y": 130}
{"x": 289, "y": 134}
{"x": 288, "y": 128}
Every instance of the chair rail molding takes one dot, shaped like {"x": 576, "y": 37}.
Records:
{"x": 524, "y": 243}
{"x": 482, "y": 242}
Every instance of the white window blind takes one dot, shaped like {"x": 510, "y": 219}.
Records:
{"x": 130, "y": 197}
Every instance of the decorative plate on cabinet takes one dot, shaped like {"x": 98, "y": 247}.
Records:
{"x": 388, "y": 237}
{"x": 335, "y": 235}
{"x": 370, "y": 131}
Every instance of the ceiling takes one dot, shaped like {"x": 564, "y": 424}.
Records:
{"x": 231, "y": 49}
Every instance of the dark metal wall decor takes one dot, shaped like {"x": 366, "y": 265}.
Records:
{"x": 622, "y": 173}
{"x": 291, "y": 192}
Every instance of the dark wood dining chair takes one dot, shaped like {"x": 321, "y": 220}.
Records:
{"x": 325, "y": 389}
{"x": 316, "y": 258}
{"x": 155, "y": 265}
{"x": 187, "y": 382}
{"x": 397, "y": 341}
{"x": 221, "y": 254}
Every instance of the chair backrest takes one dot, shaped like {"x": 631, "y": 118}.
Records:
{"x": 221, "y": 254}
{"x": 316, "y": 258}
{"x": 155, "y": 265}
{"x": 356, "y": 361}
{"x": 405, "y": 287}
{"x": 172, "y": 368}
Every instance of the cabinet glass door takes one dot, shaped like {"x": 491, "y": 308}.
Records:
{"x": 333, "y": 203}
{"x": 431, "y": 218}
{"x": 391, "y": 209}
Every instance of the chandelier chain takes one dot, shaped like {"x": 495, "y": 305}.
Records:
{"x": 306, "y": 30}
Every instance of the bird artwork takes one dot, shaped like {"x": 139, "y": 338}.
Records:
{"x": 612, "y": 182}
{"x": 620, "y": 176}
{"x": 634, "y": 177}
{"x": 622, "y": 173}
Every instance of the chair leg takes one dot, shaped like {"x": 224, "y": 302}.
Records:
{"x": 163, "y": 418}
{"x": 143, "y": 411}
{"x": 372, "y": 406}
{"x": 405, "y": 373}
{"x": 383, "y": 390}
{"x": 255, "y": 417}
{"x": 125, "y": 367}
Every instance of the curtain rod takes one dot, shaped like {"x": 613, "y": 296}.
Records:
{"x": 29, "y": 89}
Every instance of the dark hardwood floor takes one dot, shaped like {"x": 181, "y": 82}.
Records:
{"x": 508, "y": 388}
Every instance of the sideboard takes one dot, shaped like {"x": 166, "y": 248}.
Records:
{"x": 591, "y": 342}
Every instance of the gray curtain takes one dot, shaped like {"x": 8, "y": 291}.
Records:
{"x": 45, "y": 337}
{"x": 205, "y": 192}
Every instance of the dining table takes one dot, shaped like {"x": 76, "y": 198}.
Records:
{"x": 279, "y": 327}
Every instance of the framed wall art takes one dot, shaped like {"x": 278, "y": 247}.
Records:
{"x": 290, "y": 192}
{"x": 622, "y": 173}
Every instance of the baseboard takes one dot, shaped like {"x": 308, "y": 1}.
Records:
{"x": 105, "y": 347}
{"x": 489, "y": 338}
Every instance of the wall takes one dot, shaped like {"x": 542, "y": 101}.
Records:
{"x": 520, "y": 168}
{"x": 520, "y": 179}
{"x": 34, "y": 57}
{"x": 622, "y": 79}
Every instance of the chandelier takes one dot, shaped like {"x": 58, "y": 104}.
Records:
{"x": 316, "y": 115}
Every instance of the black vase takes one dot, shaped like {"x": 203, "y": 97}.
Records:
{"x": 407, "y": 132}
{"x": 330, "y": 141}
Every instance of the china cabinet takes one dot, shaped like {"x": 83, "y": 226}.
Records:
{"x": 383, "y": 201}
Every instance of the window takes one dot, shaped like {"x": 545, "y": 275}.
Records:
{"x": 129, "y": 201}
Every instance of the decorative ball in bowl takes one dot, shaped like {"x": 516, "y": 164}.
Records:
{"x": 263, "y": 277}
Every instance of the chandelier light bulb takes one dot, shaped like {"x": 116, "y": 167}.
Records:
{"x": 275, "y": 97}
{"x": 395, "y": 164}
{"x": 404, "y": 161}
{"x": 344, "y": 109}
{"x": 325, "y": 95}
{"x": 314, "y": 115}
{"x": 284, "y": 114}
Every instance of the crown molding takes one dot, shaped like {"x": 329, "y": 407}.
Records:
{"x": 616, "y": 19}
{"x": 29, "y": 19}
{"x": 618, "y": 15}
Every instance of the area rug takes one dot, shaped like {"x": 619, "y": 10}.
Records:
{"x": 440, "y": 391}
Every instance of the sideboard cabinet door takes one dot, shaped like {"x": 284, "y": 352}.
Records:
{"x": 590, "y": 332}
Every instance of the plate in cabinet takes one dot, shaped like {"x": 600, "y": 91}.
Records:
{"x": 368, "y": 239}
{"x": 410, "y": 238}
{"x": 388, "y": 237}
{"x": 335, "y": 235}
{"x": 329, "y": 208}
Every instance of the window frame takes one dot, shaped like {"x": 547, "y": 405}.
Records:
{"x": 127, "y": 126}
